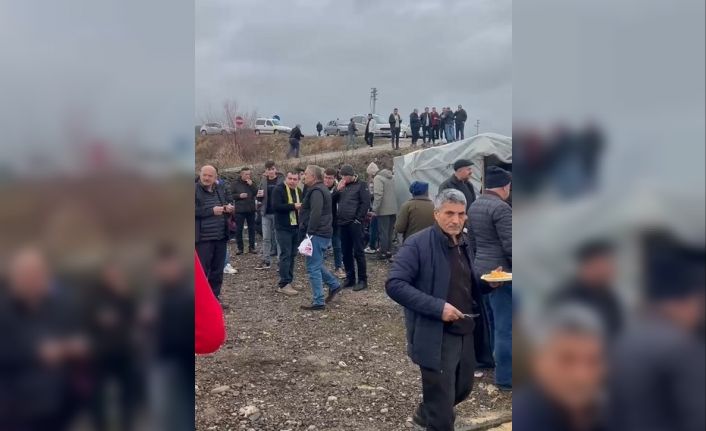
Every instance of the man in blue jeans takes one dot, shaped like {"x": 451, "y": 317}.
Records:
{"x": 490, "y": 223}
{"x": 316, "y": 223}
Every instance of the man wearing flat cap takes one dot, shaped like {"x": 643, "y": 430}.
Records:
{"x": 460, "y": 180}
{"x": 490, "y": 224}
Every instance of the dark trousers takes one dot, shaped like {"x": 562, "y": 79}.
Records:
{"x": 395, "y": 137}
{"x": 288, "y": 241}
{"x": 445, "y": 388}
{"x": 293, "y": 148}
{"x": 115, "y": 374}
{"x": 212, "y": 255}
{"x": 369, "y": 139}
{"x": 386, "y": 227}
{"x": 436, "y": 133}
{"x": 240, "y": 219}
{"x": 426, "y": 134}
{"x": 352, "y": 248}
{"x": 415, "y": 134}
{"x": 459, "y": 130}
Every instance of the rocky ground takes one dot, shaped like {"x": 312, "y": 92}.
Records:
{"x": 342, "y": 369}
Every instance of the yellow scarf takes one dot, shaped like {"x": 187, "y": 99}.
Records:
{"x": 292, "y": 214}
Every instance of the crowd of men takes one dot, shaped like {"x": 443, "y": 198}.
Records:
{"x": 456, "y": 322}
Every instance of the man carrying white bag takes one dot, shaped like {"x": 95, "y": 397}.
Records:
{"x": 316, "y": 225}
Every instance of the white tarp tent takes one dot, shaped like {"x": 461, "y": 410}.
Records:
{"x": 434, "y": 165}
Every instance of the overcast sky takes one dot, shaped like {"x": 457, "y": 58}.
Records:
{"x": 316, "y": 60}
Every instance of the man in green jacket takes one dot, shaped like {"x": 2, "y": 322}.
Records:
{"x": 417, "y": 213}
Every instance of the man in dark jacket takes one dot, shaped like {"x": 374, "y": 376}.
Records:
{"x": 490, "y": 224}
{"x": 415, "y": 123}
{"x": 460, "y": 118}
{"x": 319, "y": 128}
{"x": 425, "y": 120}
{"x": 369, "y": 130}
{"x": 460, "y": 180}
{"x": 447, "y": 119}
{"x": 286, "y": 203}
{"x": 212, "y": 208}
{"x": 317, "y": 224}
{"x": 433, "y": 278}
{"x": 41, "y": 339}
{"x": 243, "y": 191}
{"x": 294, "y": 139}
{"x": 353, "y": 200}
{"x": 270, "y": 179}
{"x": 395, "y": 121}
{"x": 435, "y": 125}
{"x": 330, "y": 182}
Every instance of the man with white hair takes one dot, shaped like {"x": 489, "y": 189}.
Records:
{"x": 433, "y": 278}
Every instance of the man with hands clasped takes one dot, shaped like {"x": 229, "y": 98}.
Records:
{"x": 433, "y": 278}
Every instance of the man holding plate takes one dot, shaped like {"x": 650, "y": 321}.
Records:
{"x": 490, "y": 224}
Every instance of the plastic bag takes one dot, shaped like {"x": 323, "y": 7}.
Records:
{"x": 306, "y": 247}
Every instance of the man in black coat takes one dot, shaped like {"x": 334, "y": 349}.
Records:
{"x": 395, "y": 121}
{"x": 319, "y": 128}
{"x": 353, "y": 200}
{"x": 244, "y": 192}
{"x": 433, "y": 278}
{"x": 286, "y": 203}
{"x": 212, "y": 209}
{"x": 415, "y": 123}
{"x": 425, "y": 121}
{"x": 295, "y": 137}
{"x": 460, "y": 118}
{"x": 460, "y": 181}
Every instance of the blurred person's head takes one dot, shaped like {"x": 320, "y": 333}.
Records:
{"x": 312, "y": 175}
{"x": 348, "y": 173}
{"x": 568, "y": 358}
{"x": 329, "y": 177}
{"x": 498, "y": 181}
{"x": 208, "y": 175}
{"x": 170, "y": 268}
{"x": 462, "y": 169}
{"x": 676, "y": 282}
{"x": 596, "y": 264}
{"x": 270, "y": 169}
{"x": 292, "y": 179}
{"x": 394, "y": 111}
{"x": 450, "y": 211}
{"x": 433, "y": 109}
{"x": 419, "y": 188}
{"x": 460, "y": 107}
{"x": 29, "y": 276}
{"x": 245, "y": 174}
{"x": 426, "y": 109}
{"x": 415, "y": 110}
{"x": 115, "y": 278}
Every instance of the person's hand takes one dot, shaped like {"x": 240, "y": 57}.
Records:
{"x": 218, "y": 210}
{"x": 341, "y": 185}
{"x": 496, "y": 284}
{"x": 243, "y": 196}
{"x": 260, "y": 193}
{"x": 249, "y": 181}
{"x": 229, "y": 208}
{"x": 451, "y": 313}
{"x": 297, "y": 206}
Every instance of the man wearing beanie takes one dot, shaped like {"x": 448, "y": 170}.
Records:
{"x": 417, "y": 213}
{"x": 490, "y": 224}
{"x": 460, "y": 180}
{"x": 353, "y": 200}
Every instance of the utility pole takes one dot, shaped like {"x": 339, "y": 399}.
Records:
{"x": 373, "y": 98}
{"x": 477, "y": 126}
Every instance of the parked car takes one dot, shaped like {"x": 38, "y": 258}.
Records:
{"x": 271, "y": 126}
{"x": 215, "y": 129}
{"x": 336, "y": 128}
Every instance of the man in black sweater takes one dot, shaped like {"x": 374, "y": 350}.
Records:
{"x": 286, "y": 203}
{"x": 244, "y": 191}
{"x": 353, "y": 200}
{"x": 294, "y": 140}
{"x": 460, "y": 117}
{"x": 317, "y": 224}
{"x": 460, "y": 181}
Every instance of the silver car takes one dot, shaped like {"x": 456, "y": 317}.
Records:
{"x": 336, "y": 128}
{"x": 215, "y": 129}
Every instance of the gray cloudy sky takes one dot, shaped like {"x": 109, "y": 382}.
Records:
{"x": 316, "y": 60}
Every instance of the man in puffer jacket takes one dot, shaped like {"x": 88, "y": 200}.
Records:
{"x": 385, "y": 208}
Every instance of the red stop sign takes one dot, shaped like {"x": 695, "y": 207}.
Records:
{"x": 239, "y": 121}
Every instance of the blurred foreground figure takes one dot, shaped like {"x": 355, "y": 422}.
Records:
{"x": 658, "y": 378}
{"x": 40, "y": 349}
{"x": 568, "y": 366}
{"x": 594, "y": 285}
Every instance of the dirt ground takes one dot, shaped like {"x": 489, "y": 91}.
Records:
{"x": 342, "y": 369}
